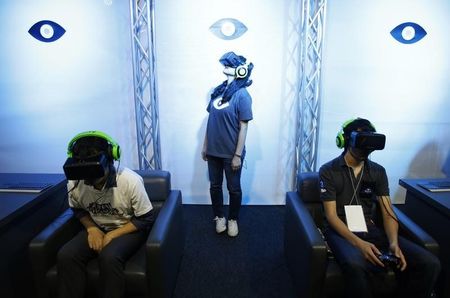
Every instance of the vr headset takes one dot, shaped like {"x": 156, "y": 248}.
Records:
{"x": 367, "y": 141}
{"x": 230, "y": 59}
{"x": 86, "y": 169}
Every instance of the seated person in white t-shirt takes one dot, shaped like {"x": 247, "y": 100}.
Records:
{"x": 114, "y": 208}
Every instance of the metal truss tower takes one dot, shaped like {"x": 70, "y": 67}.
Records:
{"x": 311, "y": 39}
{"x": 145, "y": 83}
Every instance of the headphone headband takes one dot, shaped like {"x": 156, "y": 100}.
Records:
{"x": 114, "y": 146}
{"x": 341, "y": 139}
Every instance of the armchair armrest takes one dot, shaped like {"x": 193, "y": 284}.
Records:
{"x": 304, "y": 248}
{"x": 44, "y": 247}
{"x": 413, "y": 232}
{"x": 165, "y": 246}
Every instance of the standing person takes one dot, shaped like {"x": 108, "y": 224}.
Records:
{"x": 230, "y": 110}
{"x": 114, "y": 209}
{"x": 352, "y": 182}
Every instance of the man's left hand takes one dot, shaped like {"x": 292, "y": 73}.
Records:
{"x": 108, "y": 238}
{"x": 236, "y": 163}
{"x": 395, "y": 249}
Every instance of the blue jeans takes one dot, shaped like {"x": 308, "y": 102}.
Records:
{"x": 216, "y": 167}
{"x": 417, "y": 280}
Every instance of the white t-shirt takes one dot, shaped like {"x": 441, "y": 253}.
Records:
{"x": 113, "y": 207}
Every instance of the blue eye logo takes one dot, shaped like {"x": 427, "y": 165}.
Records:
{"x": 408, "y": 33}
{"x": 228, "y": 28}
{"x": 46, "y": 31}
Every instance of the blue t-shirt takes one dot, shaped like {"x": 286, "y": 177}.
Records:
{"x": 222, "y": 130}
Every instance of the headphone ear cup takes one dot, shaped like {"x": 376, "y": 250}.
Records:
{"x": 340, "y": 140}
{"x": 115, "y": 152}
{"x": 241, "y": 71}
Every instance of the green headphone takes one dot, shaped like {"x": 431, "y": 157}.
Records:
{"x": 340, "y": 138}
{"x": 114, "y": 146}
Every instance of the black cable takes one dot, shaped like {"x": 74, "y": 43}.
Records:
{"x": 75, "y": 186}
{"x": 387, "y": 211}
{"x": 66, "y": 197}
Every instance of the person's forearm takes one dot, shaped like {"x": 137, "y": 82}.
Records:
{"x": 389, "y": 219}
{"x": 88, "y": 222}
{"x": 205, "y": 142}
{"x": 391, "y": 229}
{"x": 341, "y": 228}
{"x": 241, "y": 138}
{"x": 125, "y": 229}
{"x": 205, "y": 147}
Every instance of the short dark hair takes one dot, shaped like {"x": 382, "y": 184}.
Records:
{"x": 91, "y": 146}
{"x": 358, "y": 124}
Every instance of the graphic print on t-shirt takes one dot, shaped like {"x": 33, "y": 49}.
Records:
{"x": 217, "y": 103}
{"x": 102, "y": 209}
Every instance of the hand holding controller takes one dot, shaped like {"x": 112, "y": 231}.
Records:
{"x": 389, "y": 260}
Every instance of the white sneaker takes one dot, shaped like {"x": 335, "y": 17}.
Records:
{"x": 221, "y": 224}
{"x": 232, "y": 228}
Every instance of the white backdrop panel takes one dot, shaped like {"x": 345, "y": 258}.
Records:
{"x": 403, "y": 89}
{"x": 188, "y": 69}
{"x": 83, "y": 81}
{"x": 51, "y": 91}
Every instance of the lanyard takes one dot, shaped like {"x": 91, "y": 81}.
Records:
{"x": 357, "y": 185}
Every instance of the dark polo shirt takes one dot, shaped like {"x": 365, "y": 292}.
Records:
{"x": 336, "y": 185}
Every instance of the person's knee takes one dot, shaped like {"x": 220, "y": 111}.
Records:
{"x": 353, "y": 268}
{"x": 235, "y": 193}
{"x": 215, "y": 187}
{"x": 234, "y": 188}
{"x": 108, "y": 258}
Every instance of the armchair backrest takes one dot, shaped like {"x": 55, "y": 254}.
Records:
{"x": 158, "y": 187}
{"x": 308, "y": 191}
{"x": 157, "y": 184}
{"x": 308, "y": 187}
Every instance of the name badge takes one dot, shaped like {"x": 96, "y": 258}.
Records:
{"x": 355, "y": 218}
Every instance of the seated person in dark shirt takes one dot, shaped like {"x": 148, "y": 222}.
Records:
{"x": 351, "y": 186}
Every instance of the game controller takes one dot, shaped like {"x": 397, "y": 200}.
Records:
{"x": 389, "y": 260}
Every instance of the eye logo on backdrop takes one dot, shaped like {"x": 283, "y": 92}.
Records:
{"x": 47, "y": 31}
{"x": 228, "y": 28}
{"x": 408, "y": 33}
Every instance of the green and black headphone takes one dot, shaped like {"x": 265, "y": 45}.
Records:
{"x": 114, "y": 148}
{"x": 341, "y": 139}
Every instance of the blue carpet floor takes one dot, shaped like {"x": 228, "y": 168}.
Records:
{"x": 250, "y": 265}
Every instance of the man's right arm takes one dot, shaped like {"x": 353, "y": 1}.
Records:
{"x": 205, "y": 146}
{"x": 95, "y": 235}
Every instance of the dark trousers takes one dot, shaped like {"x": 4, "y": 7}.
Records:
{"x": 75, "y": 254}
{"x": 417, "y": 280}
{"x": 216, "y": 167}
